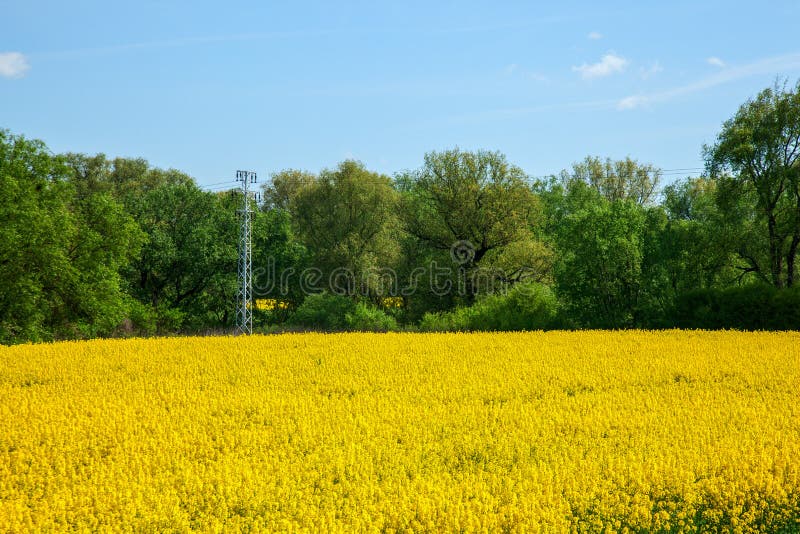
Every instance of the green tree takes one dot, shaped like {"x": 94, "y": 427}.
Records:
{"x": 125, "y": 179}
{"x": 477, "y": 197}
{"x": 62, "y": 246}
{"x": 625, "y": 179}
{"x": 284, "y": 186}
{"x": 756, "y": 159}
{"x": 698, "y": 241}
{"x": 347, "y": 219}
{"x": 527, "y": 259}
{"x": 279, "y": 259}
{"x": 600, "y": 244}
{"x": 467, "y": 206}
{"x": 34, "y": 228}
{"x": 191, "y": 250}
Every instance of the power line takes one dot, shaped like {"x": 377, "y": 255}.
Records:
{"x": 220, "y": 189}
{"x": 689, "y": 172}
{"x": 226, "y": 182}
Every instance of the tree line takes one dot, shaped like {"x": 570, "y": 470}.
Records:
{"x": 92, "y": 246}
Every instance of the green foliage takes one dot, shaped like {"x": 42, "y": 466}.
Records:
{"x": 367, "y": 318}
{"x": 91, "y": 246}
{"x": 346, "y": 219}
{"x": 276, "y": 251}
{"x": 599, "y": 274}
{"x": 481, "y": 204}
{"x": 530, "y": 306}
{"x": 456, "y": 320}
{"x": 467, "y": 196}
{"x": 284, "y": 187}
{"x": 331, "y": 312}
{"x": 751, "y": 307}
{"x": 324, "y": 311}
{"x": 183, "y": 273}
{"x": 616, "y": 180}
{"x": 698, "y": 242}
{"x": 757, "y": 160}
{"x": 143, "y": 319}
{"x": 61, "y": 248}
{"x": 186, "y": 271}
{"x": 528, "y": 259}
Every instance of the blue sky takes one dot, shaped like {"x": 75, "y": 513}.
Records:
{"x": 209, "y": 88}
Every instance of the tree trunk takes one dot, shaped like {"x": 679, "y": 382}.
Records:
{"x": 792, "y": 255}
{"x": 775, "y": 256}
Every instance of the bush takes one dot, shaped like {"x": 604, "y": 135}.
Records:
{"x": 752, "y": 307}
{"x": 142, "y": 319}
{"x": 324, "y": 311}
{"x": 366, "y": 318}
{"x": 169, "y": 320}
{"x": 457, "y": 320}
{"x": 523, "y": 307}
{"x": 786, "y": 305}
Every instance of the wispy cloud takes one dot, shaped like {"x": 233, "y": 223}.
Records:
{"x": 717, "y": 62}
{"x": 631, "y": 102}
{"x": 608, "y": 64}
{"x": 295, "y": 34}
{"x": 595, "y": 36}
{"x": 502, "y": 114}
{"x": 537, "y": 77}
{"x": 514, "y": 69}
{"x": 173, "y": 43}
{"x": 772, "y": 66}
{"x": 13, "y": 65}
{"x": 652, "y": 70}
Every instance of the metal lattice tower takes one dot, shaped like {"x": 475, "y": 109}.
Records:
{"x": 244, "y": 300}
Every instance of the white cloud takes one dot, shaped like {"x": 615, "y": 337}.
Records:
{"x": 632, "y": 102}
{"x": 517, "y": 70}
{"x": 595, "y": 36}
{"x": 537, "y": 77}
{"x": 717, "y": 62}
{"x": 767, "y": 66}
{"x": 608, "y": 64}
{"x": 652, "y": 70}
{"x": 13, "y": 65}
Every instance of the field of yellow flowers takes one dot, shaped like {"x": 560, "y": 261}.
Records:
{"x": 554, "y": 432}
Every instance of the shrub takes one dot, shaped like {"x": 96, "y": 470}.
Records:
{"x": 457, "y": 320}
{"x": 786, "y": 316}
{"x": 523, "y": 307}
{"x": 324, "y": 311}
{"x": 142, "y": 319}
{"x": 366, "y": 318}
{"x": 752, "y": 307}
{"x": 170, "y": 319}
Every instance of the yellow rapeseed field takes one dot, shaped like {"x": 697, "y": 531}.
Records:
{"x": 553, "y": 432}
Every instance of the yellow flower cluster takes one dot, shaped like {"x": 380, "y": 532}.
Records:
{"x": 552, "y": 432}
{"x": 271, "y": 304}
{"x": 392, "y": 302}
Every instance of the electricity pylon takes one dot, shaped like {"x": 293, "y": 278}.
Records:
{"x": 244, "y": 301}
